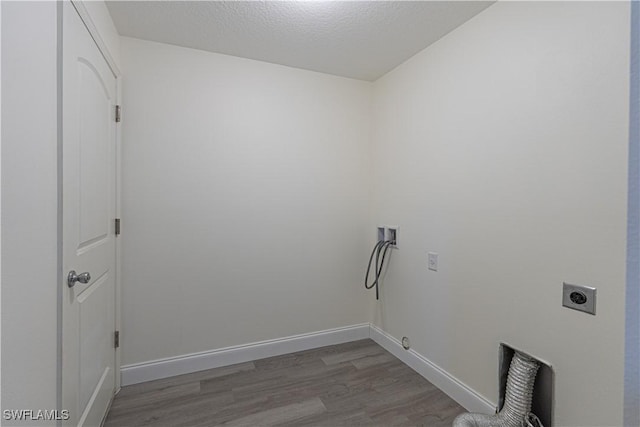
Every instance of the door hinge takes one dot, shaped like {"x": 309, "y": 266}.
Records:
{"x": 118, "y": 114}
{"x": 117, "y": 221}
{"x": 116, "y": 339}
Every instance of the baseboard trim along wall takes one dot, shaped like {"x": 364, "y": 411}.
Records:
{"x": 164, "y": 368}
{"x": 456, "y": 389}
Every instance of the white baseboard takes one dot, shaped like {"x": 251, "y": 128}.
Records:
{"x": 456, "y": 389}
{"x": 164, "y": 368}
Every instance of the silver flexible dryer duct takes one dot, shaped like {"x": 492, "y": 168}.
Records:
{"x": 517, "y": 405}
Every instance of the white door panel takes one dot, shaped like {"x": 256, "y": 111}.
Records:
{"x": 94, "y": 160}
{"x": 88, "y": 211}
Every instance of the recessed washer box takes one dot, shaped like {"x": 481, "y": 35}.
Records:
{"x": 392, "y": 235}
{"x": 578, "y": 297}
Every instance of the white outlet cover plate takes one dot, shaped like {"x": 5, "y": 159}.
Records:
{"x": 433, "y": 261}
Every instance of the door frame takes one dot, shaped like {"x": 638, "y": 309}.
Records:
{"x": 85, "y": 17}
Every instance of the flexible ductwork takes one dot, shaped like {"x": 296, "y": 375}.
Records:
{"x": 515, "y": 412}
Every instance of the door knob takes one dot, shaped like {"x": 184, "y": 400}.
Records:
{"x": 72, "y": 278}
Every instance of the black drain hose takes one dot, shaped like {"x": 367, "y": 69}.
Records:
{"x": 380, "y": 246}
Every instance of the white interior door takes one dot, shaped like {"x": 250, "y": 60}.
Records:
{"x": 88, "y": 238}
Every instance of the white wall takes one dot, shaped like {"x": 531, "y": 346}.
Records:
{"x": 29, "y": 206}
{"x": 503, "y": 147}
{"x": 244, "y": 190}
{"x": 0, "y": 207}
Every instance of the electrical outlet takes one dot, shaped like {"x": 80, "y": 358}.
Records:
{"x": 433, "y": 261}
{"x": 577, "y": 297}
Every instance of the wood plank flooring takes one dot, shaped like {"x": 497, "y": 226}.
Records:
{"x": 357, "y": 383}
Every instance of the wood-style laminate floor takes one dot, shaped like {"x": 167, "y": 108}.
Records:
{"x": 357, "y": 383}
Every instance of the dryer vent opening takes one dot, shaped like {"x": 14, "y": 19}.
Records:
{"x": 518, "y": 378}
{"x": 543, "y": 389}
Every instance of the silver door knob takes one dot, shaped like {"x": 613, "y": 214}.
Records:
{"x": 72, "y": 278}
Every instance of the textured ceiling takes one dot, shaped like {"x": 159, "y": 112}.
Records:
{"x": 358, "y": 39}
